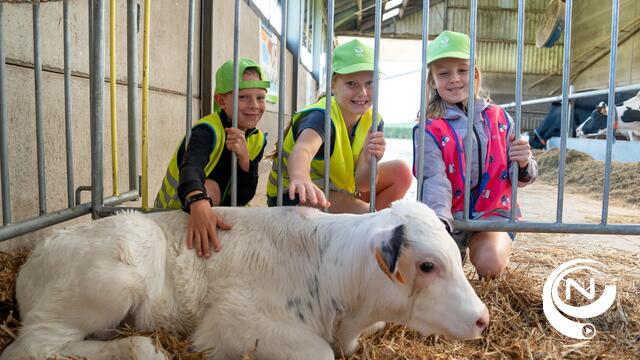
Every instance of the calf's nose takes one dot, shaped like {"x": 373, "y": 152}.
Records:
{"x": 483, "y": 320}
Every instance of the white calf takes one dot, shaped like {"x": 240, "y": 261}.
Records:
{"x": 299, "y": 283}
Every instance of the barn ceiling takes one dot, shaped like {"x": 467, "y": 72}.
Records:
{"x": 358, "y": 16}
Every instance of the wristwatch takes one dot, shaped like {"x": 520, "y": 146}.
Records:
{"x": 196, "y": 197}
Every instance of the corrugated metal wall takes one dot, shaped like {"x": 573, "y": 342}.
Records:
{"x": 497, "y": 27}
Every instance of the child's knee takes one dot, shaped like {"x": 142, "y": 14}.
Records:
{"x": 400, "y": 173}
{"x": 489, "y": 262}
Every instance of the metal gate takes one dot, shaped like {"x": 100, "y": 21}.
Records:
{"x": 100, "y": 205}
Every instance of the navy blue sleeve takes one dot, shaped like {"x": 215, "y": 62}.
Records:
{"x": 313, "y": 119}
{"x": 194, "y": 160}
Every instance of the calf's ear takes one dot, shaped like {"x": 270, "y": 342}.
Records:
{"x": 388, "y": 251}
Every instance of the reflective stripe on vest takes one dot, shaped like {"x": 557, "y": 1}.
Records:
{"x": 493, "y": 197}
{"x": 168, "y": 195}
{"x": 343, "y": 158}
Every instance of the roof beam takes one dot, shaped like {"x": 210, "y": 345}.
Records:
{"x": 402, "y": 8}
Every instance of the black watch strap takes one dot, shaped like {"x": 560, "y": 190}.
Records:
{"x": 196, "y": 197}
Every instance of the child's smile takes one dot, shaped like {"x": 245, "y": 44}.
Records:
{"x": 451, "y": 78}
{"x": 353, "y": 93}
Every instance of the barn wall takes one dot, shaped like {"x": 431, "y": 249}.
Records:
{"x": 592, "y": 25}
{"x": 167, "y": 106}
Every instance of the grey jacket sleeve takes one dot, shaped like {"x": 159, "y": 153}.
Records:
{"x": 436, "y": 188}
{"x": 532, "y": 168}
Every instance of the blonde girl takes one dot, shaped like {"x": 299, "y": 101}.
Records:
{"x": 494, "y": 148}
{"x": 352, "y": 144}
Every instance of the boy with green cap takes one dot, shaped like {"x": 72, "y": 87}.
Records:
{"x": 351, "y": 144}
{"x": 494, "y": 148}
{"x": 200, "y": 176}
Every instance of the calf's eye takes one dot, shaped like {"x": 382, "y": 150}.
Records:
{"x": 426, "y": 267}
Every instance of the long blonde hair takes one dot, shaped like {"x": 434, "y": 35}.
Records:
{"x": 437, "y": 107}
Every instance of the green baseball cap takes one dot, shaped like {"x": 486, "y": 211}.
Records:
{"x": 449, "y": 44}
{"x": 352, "y": 57}
{"x": 224, "y": 76}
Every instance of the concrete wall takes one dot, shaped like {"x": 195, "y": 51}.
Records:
{"x": 591, "y": 25}
{"x": 167, "y": 105}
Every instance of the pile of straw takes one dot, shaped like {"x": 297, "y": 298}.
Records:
{"x": 518, "y": 328}
{"x": 585, "y": 175}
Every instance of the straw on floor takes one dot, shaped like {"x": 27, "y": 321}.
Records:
{"x": 518, "y": 328}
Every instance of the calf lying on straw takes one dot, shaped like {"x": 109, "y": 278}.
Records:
{"x": 288, "y": 283}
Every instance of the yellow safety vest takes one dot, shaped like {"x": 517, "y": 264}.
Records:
{"x": 168, "y": 195}
{"x": 343, "y": 159}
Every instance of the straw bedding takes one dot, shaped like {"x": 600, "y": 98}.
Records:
{"x": 518, "y": 328}
{"x": 585, "y": 176}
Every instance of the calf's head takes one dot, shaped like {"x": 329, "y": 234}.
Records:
{"x": 425, "y": 287}
{"x": 596, "y": 123}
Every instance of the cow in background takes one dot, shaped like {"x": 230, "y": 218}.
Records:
{"x": 626, "y": 120}
{"x": 583, "y": 108}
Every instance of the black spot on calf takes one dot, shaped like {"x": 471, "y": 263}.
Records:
{"x": 630, "y": 115}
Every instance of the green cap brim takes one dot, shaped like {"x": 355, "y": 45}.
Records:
{"x": 354, "y": 68}
{"x": 254, "y": 84}
{"x": 450, "y": 54}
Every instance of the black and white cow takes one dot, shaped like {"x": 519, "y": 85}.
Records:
{"x": 626, "y": 120}
{"x": 582, "y": 110}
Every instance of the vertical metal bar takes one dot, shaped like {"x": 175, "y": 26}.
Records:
{"x": 611, "y": 112}
{"x": 68, "y": 123}
{"x": 4, "y": 130}
{"x": 97, "y": 107}
{"x": 207, "y": 35}
{"x": 566, "y": 66}
{"x": 376, "y": 91}
{"x": 90, "y": 23}
{"x": 145, "y": 105}
{"x": 192, "y": 7}
{"x": 518, "y": 120}
{"x": 470, "y": 109}
{"x": 112, "y": 87}
{"x": 423, "y": 100}
{"x": 37, "y": 68}
{"x": 327, "y": 113}
{"x": 132, "y": 92}
{"x": 281, "y": 95}
{"x": 572, "y": 104}
{"x": 318, "y": 25}
{"x": 295, "y": 42}
{"x": 236, "y": 83}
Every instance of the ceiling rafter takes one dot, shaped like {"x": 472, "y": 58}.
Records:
{"x": 402, "y": 8}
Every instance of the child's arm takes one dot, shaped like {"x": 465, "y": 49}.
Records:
{"x": 299, "y": 167}
{"x": 375, "y": 145}
{"x": 436, "y": 187}
{"x": 203, "y": 221}
{"x": 248, "y": 180}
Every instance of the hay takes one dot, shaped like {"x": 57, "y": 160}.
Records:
{"x": 584, "y": 175}
{"x": 9, "y": 265}
{"x": 518, "y": 328}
